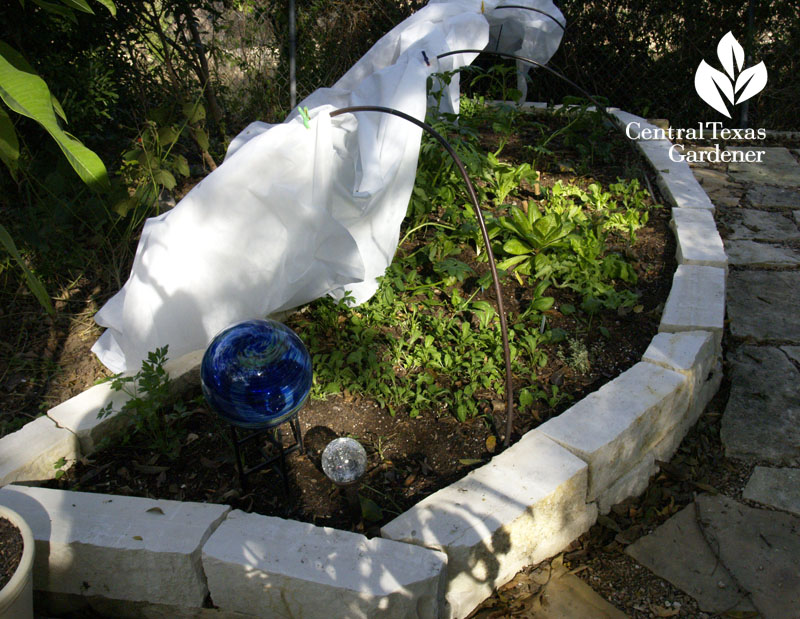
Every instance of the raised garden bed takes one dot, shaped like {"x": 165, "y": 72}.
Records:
{"x": 687, "y": 359}
{"x": 416, "y": 374}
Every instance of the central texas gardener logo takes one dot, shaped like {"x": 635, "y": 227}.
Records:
{"x": 736, "y": 84}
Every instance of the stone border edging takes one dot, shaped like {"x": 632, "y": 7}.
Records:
{"x": 447, "y": 553}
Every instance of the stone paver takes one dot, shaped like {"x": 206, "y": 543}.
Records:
{"x": 677, "y": 551}
{"x": 777, "y": 167}
{"x": 565, "y": 596}
{"x": 751, "y": 253}
{"x": 763, "y": 305}
{"x": 750, "y": 224}
{"x": 765, "y": 196}
{"x": 761, "y": 550}
{"x": 793, "y": 352}
{"x": 762, "y": 418}
{"x": 776, "y": 487}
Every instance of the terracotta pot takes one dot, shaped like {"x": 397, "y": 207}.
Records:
{"x": 16, "y": 598}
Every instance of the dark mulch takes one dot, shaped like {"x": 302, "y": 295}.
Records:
{"x": 10, "y": 550}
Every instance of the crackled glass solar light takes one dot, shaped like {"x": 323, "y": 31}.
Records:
{"x": 344, "y": 461}
{"x": 256, "y": 374}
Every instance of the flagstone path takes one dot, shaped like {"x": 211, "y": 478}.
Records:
{"x": 732, "y": 557}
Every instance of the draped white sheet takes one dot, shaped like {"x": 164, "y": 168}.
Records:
{"x": 293, "y": 213}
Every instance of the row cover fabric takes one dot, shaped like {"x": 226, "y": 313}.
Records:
{"x": 294, "y": 213}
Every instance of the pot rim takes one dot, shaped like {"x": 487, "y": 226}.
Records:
{"x": 26, "y": 562}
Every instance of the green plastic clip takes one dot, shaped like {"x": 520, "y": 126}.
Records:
{"x": 304, "y": 115}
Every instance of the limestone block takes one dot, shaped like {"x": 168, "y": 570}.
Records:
{"x": 667, "y": 446}
{"x": 524, "y": 506}
{"x": 30, "y": 453}
{"x": 632, "y": 483}
{"x": 683, "y": 191}
{"x": 282, "y": 568}
{"x": 118, "y": 547}
{"x": 699, "y": 242}
{"x": 79, "y": 413}
{"x": 615, "y": 426}
{"x": 690, "y": 353}
{"x": 184, "y": 372}
{"x": 638, "y": 124}
{"x": 696, "y": 301}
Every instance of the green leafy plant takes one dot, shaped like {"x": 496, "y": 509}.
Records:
{"x": 27, "y": 94}
{"x": 147, "y": 411}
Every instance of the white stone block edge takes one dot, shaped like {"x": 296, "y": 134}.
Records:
{"x": 181, "y": 363}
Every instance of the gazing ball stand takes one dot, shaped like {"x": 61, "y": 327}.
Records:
{"x": 256, "y": 375}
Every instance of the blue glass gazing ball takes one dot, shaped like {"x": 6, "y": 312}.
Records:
{"x": 256, "y": 374}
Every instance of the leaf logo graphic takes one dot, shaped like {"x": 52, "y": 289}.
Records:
{"x": 734, "y": 85}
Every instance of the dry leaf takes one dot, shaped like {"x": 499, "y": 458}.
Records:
{"x": 491, "y": 444}
{"x": 660, "y": 611}
{"x": 192, "y": 437}
{"x": 137, "y": 537}
{"x": 155, "y": 510}
{"x": 410, "y": 480}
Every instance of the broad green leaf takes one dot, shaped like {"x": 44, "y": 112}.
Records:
{"x": 370, "y": 510}
{"x": 57, "y": 9}
{"x": 167, "y": 135}
{"x": 34, "y": 283}
{"x": 453, "y": 267}
{"x": 522, "y": 221}
{"x": 112, "y": 8}
{"x": 505, "y": 265}
{"x": 83, "y": 160}
{"x": 181, "y": 165}
{"x": 515, "y": 247}
{"x": 80, "y": 5}
{"x": 194, "y": 112}
{"x": 57, "y": 107}
{"x": 9, "y": 145}
{"x": 201, "y": 137}
{"x": 26, "y": 93}
{"x": 542, "y": 304}
{"x": 165, "y": 178}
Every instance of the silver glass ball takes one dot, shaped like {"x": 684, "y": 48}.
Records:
{"x": 344, "y": 460}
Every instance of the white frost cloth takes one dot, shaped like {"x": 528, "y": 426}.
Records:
{"x": 292, "y": 213}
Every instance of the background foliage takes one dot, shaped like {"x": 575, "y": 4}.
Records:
{"x": 642, "y": 56}
{"x": 158, "y": 89}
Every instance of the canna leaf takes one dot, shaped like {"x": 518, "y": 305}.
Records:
{"x": 112, "y": 8}
{"x": 34, "y": 283}
{"x": 26, "y": 93}
{"x": 9, "y": 145}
